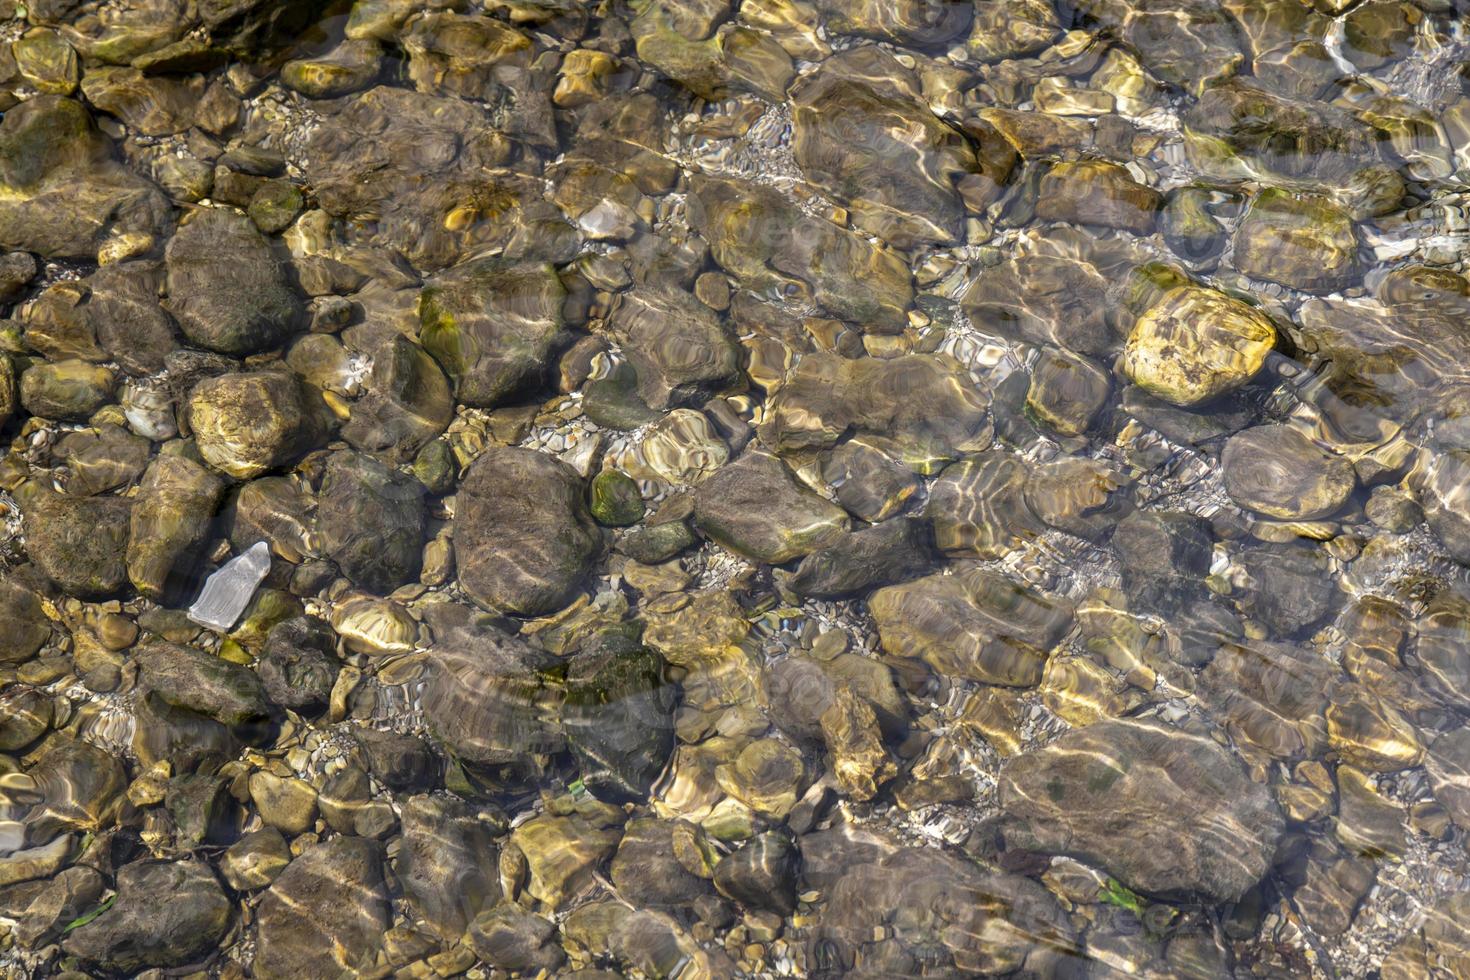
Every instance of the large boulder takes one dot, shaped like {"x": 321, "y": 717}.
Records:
{"x": 326, "y": 914}
{"x": 524, "y": 538}
{"x": 1163, "y": 810}
{"x": 241, "y": 306}
{"x": 167, "y": 914}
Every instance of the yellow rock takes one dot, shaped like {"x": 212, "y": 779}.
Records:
{"x": 1195, "y": 344}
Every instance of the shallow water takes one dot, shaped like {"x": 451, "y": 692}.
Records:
{"x": 876, "y": 488}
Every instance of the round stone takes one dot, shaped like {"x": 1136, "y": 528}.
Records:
{"x": 1277, "y": 471}
{"x": 1195, "y": 344}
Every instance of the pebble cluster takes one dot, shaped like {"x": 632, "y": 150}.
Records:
{"x": 714, "y": 488}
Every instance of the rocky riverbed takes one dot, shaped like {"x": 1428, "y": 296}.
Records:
{"x": 714, "y": 488}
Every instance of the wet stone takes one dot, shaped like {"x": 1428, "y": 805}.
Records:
{"x": 1276, "y": 471}
{"x": 615, "y": 499}
{"x": 860, "y": 127}
{"x": 978, "y": 506}
{"x": 512, "y": 938}
{"x": 1368, "y": 823}
{"x": 563, "y": 850}
{"x": 1371, "y": 734}
{"x": 490, "y": 325}
{"x": 245, "y": 307}
{"x": 447, "y": 863}
{"x": 255, "y": 860}
{"x": 63, "y": 190}
{"x": 68, "y": 391}
{"x": 167, "y": 914}
{"x": 869, "y": 484}
{"x": 679, "y": 350}
{"x": 755, "y": 507}
{"x": 890, "y": 913}
{"x": 25, "y": 714}
{"x": 1440, "y": 943}
{"x": 1448, "y": 763}
{"x": 1066, "y": 392}
{"x": 407, "y": 403}
{"x": 1271, "y": 695}
{"x": 349, "y": 67}
{"x": 298, "y": 666}
{"x": 661, "y": 864}
{"x": 170, "y": 520}
{"x": 979, "y": 625}
{"x": 1165, "y": 558}
{"x": 920, "y": 409}
{"x": 1094, "y": 192}
{"x": 1078, "y": 796}
{"x": 248, "y": 424}
{"x": 618, "y": 717}
{"x": 1334, "y": 884}
{"x": 762, "y": 239}
{"x": 1195, "y": 344}
{"x": 526, "y": 538}
{"x": 1300, "y": 241}
{"x": 855, "y": 562}
{"x": 1080, "y": 496}
{"x": 325, "y": 913}
{"x": 1285, "y": 586}
{"x": 189, "y": 678}
{"x": 79, "y": 542}
{"x": 761, "y": 874}
{"x": 1045, "y": 300}
{"x": 370, "y": 521}
{"x": 491, "y": 697}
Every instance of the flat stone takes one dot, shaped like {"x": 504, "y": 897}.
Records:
{"x": 1131, "y": 795}
{"x": 755, "y": 507}
{"x": 325, "y": 914}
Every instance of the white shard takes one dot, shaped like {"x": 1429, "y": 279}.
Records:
{"x": 228, "y": 591}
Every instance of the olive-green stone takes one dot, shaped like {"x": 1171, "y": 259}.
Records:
{"x": 615, "y": 499}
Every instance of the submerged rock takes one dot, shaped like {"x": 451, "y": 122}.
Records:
{"x": 490, "y": 324}
{"x": 921, "y": 409}
{"x": 242, "y": 306}
{"x": 63, "y": 191}
{"x": 248, "y": 424}
{"x": 493, "y": 698}
{"x": 1298, "y": 240}
{"x": 170, "y": 521}
{"x": 167, "y": 914}
{"x": 619, "y": 717}
{"x": 80, "y": 543}
{"x": 888, "y": 914}
{"x": 186, "y": 677}
{"x": 407, "y": 403}
{"x": 1194, "y": 344}
{"x": 1095, "y": 192}
{"x": 326, "y": 913}
{"x": 1131, "y": 795}
{"x": 861, "y": 129}
{"x": 678, "y": 348}
{"x": 1045, "y": 300}
{"x": 299, "y": 666}
{"x": 525, "y": 539}
{"x": 28, "y": 630}
{"x": 765, "y": 241}
{"x": 1277, "y": 471}
{"x": 447, "y": 864}
{"x": 755, "y": 507}
{"x": 370, "y": 520}
{"x": 978, "y": 625}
